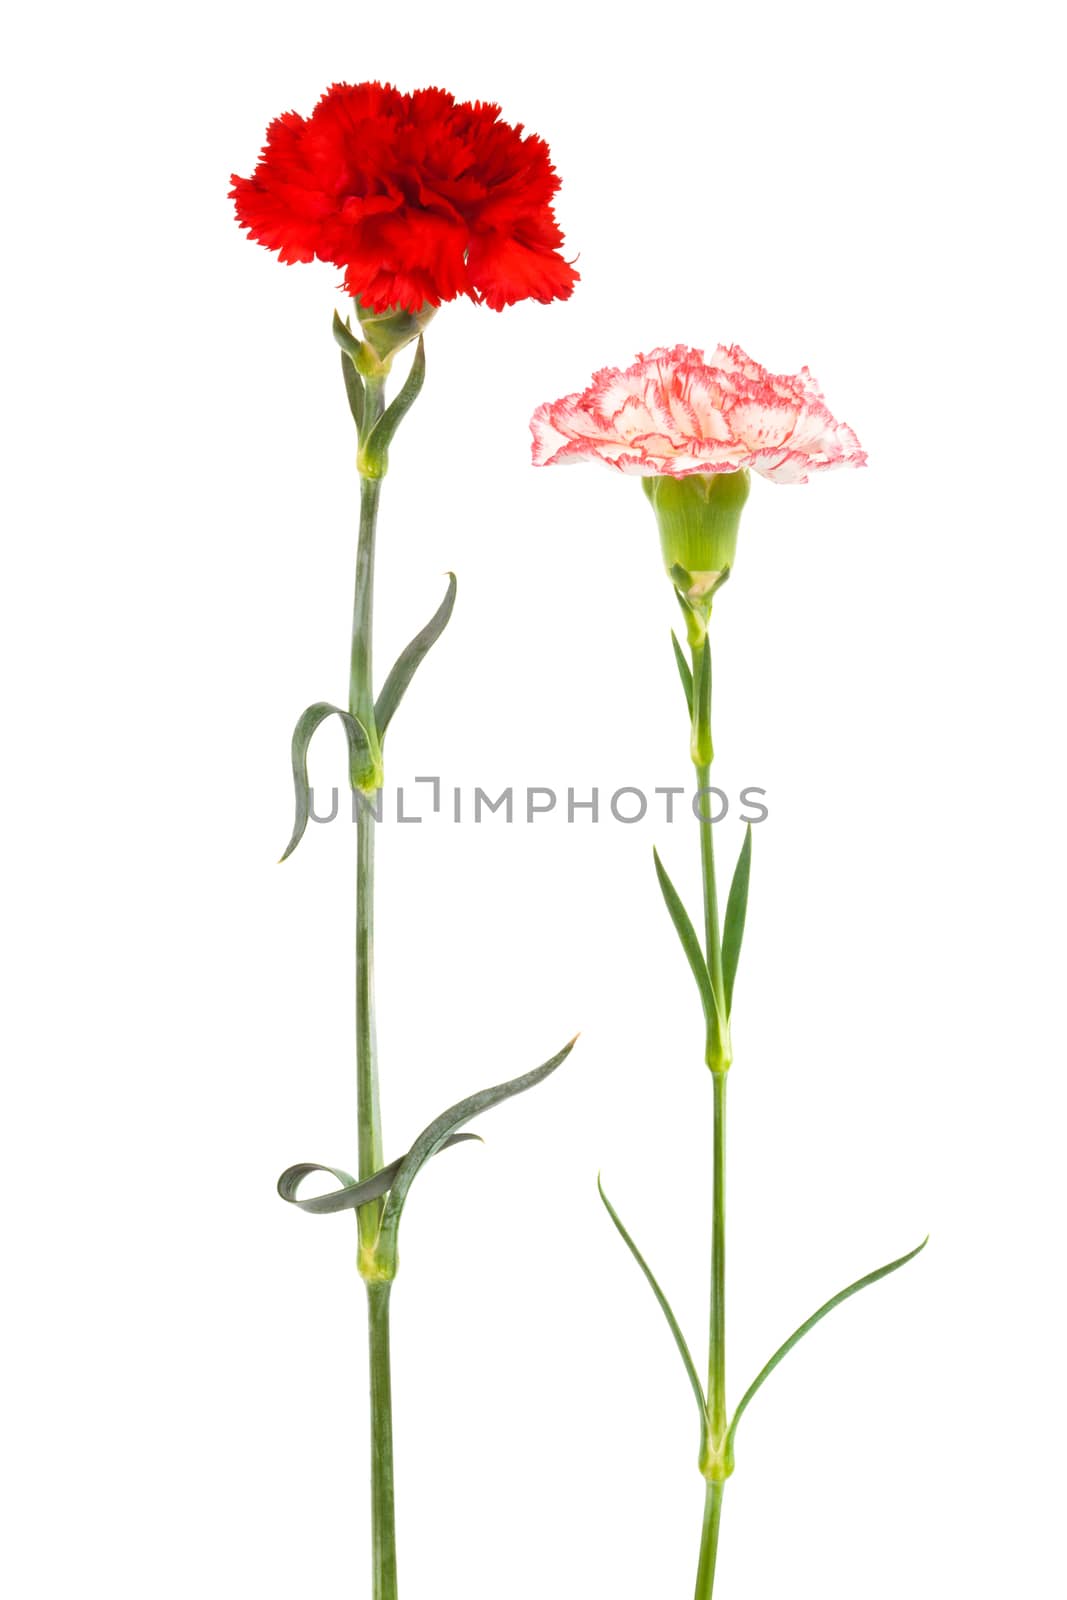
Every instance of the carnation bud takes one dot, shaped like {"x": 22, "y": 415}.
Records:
{"x": 388, "y": 331}
{"x": 698, "y": 518}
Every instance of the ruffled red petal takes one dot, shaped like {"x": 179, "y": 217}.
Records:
{"x": 505, "y": 269}
{"x": 417, "y": 197}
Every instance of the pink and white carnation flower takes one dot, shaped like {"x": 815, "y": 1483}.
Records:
{"x": 674, "y": 414}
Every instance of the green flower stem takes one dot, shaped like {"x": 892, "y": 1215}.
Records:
{"x": 717, "y": 1341}
{"x": 366, "y": 777}
{"x": 383, "y": 1520}
{"x": 367, "y": 771}
{"x": 716, "y": 1467}
{"x": 712, "y": 942}
{"x": 709, "y": 1542}
{"x": 371, "y": 1156}
{"x": 712, "y": 937}
{"x": 360, "y": 693}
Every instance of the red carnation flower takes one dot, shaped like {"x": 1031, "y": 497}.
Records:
{"x": 419, "y": 198}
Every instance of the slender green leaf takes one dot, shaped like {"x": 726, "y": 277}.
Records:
{"x": 352, "y": 1194}
{"x": 703, "y": 749}
{"x": 665, "y": 1307}
{"x": 682, "y": 580}
{"x": 353, "y": 389}
{"x": 806, "y": 1327}
{"x": 375, "y": 447}
{"x": 734, "y": 923}
{"x": 395, "y": 686}
{"x": 358, "y": 742}
{"x": 690, "y": 944}
{"x": 342, "y": 332}
{"x": 350, "y": 349}
{"x": 702, "y": 681}
{"x": 684, "y": 671}
{"x": 439, "y": 1131}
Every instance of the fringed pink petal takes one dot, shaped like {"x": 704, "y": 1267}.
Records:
{"x": 674, "y": 413}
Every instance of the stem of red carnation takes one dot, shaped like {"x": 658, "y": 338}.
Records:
{"x": 367, "y": 767}
{"x": 367, "y": 777}
{"x": 383, "y": 1517}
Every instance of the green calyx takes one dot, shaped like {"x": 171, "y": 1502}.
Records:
{"x": 365, "y": 372}
{"x": 698, "y": 518}
{"x": 386, "y": 332}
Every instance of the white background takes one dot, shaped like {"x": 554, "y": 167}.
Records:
{"x": 872, "y": 191}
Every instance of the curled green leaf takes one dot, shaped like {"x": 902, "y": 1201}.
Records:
{"x": 352, "y": 1193}
{"x": 410, "y": 658}
{"x": 436, "y": 1135}
{"x": 358, "y": 745}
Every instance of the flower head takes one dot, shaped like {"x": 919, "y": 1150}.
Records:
{"x": 692, "y": 431}
{"x": 674, "y": 414}
{"x": 418, "y": 197}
